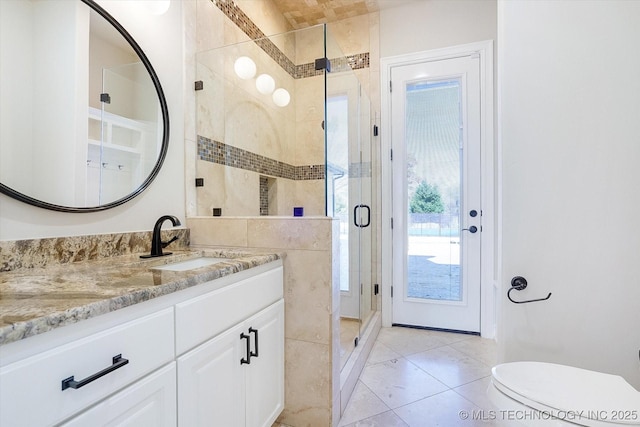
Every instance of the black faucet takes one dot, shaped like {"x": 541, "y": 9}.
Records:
{"x": 156, "y": 243}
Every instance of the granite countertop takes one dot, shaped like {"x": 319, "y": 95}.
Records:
{"x": 37, "y": 300}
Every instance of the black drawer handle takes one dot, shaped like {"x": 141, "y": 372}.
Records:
{"x": 247, "y": 361}
{"x": 118, "y": 362}
{"x": 254, "y": 353}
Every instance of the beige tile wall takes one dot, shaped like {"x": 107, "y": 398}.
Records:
{"x": 311, "y": 296}
{"x": 309, "y": 114}
{"x": 231, "y": 110}
{"x": 235, "y": 191}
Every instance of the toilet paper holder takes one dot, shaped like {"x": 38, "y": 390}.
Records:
{"x": 519, "y": 283}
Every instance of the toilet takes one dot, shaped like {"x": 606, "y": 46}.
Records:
{"x": 546, "y": 394}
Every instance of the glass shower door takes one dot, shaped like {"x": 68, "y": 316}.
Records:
{"x": 363, "y": 212}
{"x": 349, "y": 193}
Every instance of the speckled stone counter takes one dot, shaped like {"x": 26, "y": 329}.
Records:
{"x": 40, "y": 299}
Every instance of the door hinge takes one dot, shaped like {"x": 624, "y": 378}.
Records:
{"x": 392, "y": 223}
{"x": 390, "y": 86}
{"x": 391, "y": 291}
{"x": 376, "y": 289}
{"x": 375, "y": 130}
{"x": 361, "y": 288}
{"x": 391, "y": 154}
{"x": 323, "y": 64}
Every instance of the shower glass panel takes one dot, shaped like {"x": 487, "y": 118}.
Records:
{"x": 259, "y": 156}
{"x": 349, "y": 191}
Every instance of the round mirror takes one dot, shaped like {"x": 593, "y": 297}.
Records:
{"x": 84, "y": 124}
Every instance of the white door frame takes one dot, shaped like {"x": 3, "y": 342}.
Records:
{"x": 489, "y": 223}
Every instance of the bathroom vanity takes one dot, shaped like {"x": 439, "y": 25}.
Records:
{"x": 131, "y": 341}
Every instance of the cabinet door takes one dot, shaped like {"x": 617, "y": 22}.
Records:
{"x": 265, "y": 373}
{"x": 211, "y": 383}
{"x": 148, "y": 402}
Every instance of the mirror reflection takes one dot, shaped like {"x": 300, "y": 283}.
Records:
{"x": 81, "y": 124}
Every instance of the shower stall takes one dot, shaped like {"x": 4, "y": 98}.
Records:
{"x": 285, "y": 129}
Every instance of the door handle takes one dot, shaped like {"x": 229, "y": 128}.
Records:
{"x": 472, "y": 229}
{"x": 355, "y": 216}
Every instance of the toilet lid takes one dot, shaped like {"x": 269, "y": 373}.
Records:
{"x": 570, "y": 391}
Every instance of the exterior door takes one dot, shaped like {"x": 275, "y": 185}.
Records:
{"x": 435, "y": 134}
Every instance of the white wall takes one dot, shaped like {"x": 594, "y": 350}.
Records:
{"x": 15, "y": 167}
{"x": 161, "y": 38}
{"x": 427, "y": 24}
{"x": 569, "y": 134}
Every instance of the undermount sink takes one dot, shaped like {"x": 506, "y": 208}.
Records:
{"x": 190, "y": 264}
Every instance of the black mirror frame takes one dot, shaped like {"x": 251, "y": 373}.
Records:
{"x": 165, "y": 138}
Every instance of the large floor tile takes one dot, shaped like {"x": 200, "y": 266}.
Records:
{"x": 447, "y": 409}
{"x": 386, "y": 419}
{"x": 427, "y": 378}
{"x": 362, "y": 404}
{"x": 398, "y": 382}
{"x": 482, "y": 349}
{"x": 381, "y": 353}
{"x": 476, "y": 392}
{"x": 407, "y": 341}
{"x": 450, "y": 366}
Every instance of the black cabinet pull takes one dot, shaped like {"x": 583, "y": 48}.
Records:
{"x": 254, "y": 331}
{"x": 247, "y": 361}
{"x": 118, "y": 362}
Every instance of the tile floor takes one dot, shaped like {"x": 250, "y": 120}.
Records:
{"x": 420, "y": 378}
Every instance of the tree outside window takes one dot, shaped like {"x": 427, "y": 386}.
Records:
{"x": 426, "y": 199}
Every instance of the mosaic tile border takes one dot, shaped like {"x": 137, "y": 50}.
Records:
{"x": 218, "y": 152}
{"x": 338, "y": 65}
{"x": 242, "y": 21}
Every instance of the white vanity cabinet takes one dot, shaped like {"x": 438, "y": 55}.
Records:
{"x": 183, "y": 367}
{"x": 237, "y": 378}
{"x": 32, "y": 390}
{"x": 148, "y": 402}
{"x": 234, "y": 377}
